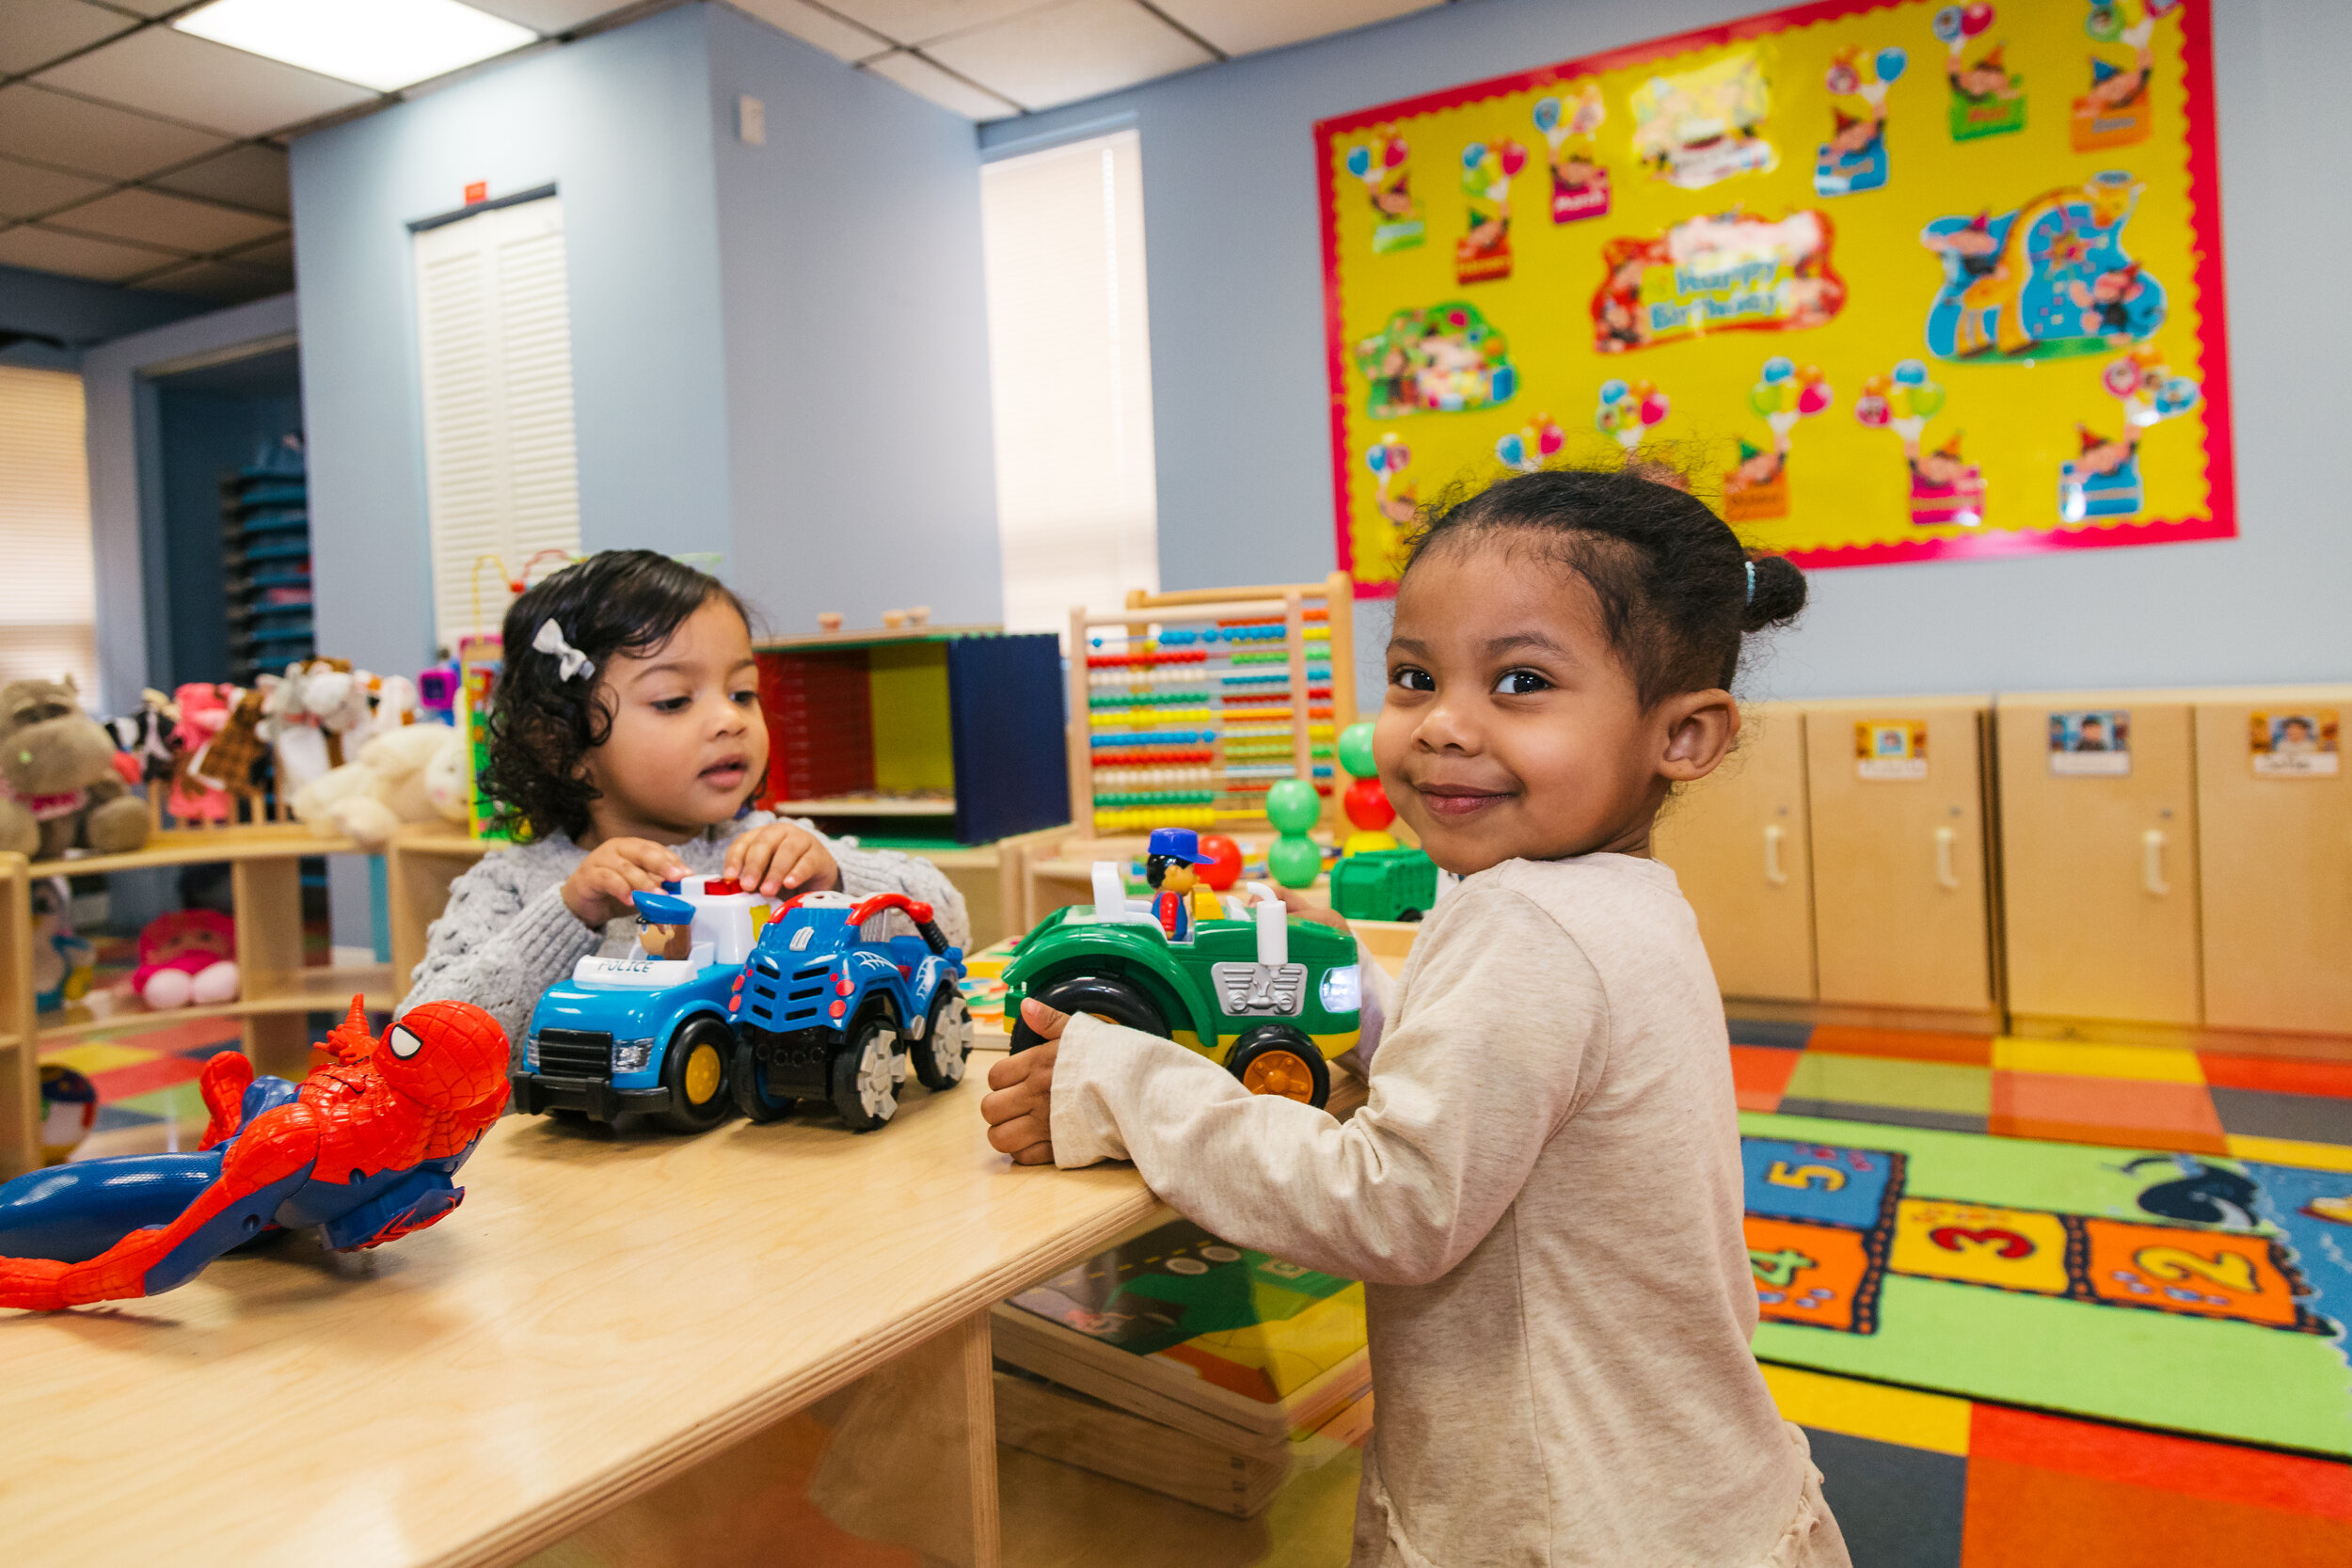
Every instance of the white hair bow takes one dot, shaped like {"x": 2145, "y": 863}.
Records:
{"x": 570, "y": 661}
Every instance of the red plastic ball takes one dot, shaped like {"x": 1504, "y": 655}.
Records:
{"x": 1367, "y": 805}
{"x": 1223, "y": 867}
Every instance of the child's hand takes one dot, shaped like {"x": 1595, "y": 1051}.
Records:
{"x": 598, "y": 890}
{"x": 1297, "y": 903}
{"x": 1019, "y": 1113}
{"x": 781, "y": 857}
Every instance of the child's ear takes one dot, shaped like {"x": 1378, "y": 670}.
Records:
{"x": 1698, "y": 730}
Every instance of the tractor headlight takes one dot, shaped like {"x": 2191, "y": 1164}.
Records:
{"x": 531, "y": 1052}
{"x": 1343, "y": 989}
{"x": 631, "y": 1055}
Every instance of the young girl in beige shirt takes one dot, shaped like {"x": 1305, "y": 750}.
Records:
{"x": 1542, "y": 1193}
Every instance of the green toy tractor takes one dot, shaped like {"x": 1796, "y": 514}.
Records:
{"x": 1269, "y": 998}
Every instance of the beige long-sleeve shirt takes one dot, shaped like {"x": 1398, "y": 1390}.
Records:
{"x": 1542, "y": 1194}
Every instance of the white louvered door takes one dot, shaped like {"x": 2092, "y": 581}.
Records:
{"x": 502, "y": 471}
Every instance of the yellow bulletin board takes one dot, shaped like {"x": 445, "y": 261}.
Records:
{"x": 1903, "y": 281}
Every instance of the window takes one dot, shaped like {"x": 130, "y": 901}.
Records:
{"x": 1077, "y": 512}
{"x": 501, "y": 477}
{"x": 48, "y": 593}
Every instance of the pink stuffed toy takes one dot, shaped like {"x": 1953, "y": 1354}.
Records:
{"x": 203, "y": 710}
{"x": 189, "y": 955}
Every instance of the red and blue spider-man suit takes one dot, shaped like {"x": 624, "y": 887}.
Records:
{"x": 365, "y": 1148}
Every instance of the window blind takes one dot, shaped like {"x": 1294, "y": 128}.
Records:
{"x": 502, "y": 471}
{"x": 48, "y": 593}
{"x": 1071, "y": 365}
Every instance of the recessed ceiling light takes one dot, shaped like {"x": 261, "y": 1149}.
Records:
{"x": 384, "y": 44}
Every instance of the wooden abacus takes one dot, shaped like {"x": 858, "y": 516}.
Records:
{"x": 1185, "y": 707}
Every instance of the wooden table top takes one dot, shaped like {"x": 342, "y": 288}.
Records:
{"x": 601, "y": 1313}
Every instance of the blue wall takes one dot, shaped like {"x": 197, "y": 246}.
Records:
{"x": 857, "y": 342}
{"x": 1238, "y": 382}
{"x": 779, "y": 353}
{"x": 621, "y": 124}
{"x": 80, "y": 312}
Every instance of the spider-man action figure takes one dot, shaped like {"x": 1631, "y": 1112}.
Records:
{"x": 365, "y": 1148}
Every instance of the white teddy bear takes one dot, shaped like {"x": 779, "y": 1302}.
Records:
{"x": 414, "y": 773}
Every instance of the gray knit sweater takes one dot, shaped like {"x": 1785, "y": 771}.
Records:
{"x": 507, "y": 935}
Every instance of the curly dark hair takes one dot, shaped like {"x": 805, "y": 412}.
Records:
{"x": 1673, "y": 581}
{"x": 543, "y": 725}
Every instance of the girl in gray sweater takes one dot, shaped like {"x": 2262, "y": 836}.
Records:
{"x": 625, "y": 745}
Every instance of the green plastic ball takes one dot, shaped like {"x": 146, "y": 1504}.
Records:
{"x": 1292, "y": 807}
{"x": 1355, "y": 750}
{"x": 1294, "y": 862}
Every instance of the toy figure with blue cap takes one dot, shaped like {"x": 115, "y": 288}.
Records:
{"x": 1169, "y": 860}
{"x": 665, "y": 924}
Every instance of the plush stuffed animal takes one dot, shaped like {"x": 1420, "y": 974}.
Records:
{"x": 58, "y": 787}
{"x": 201, "y": 712}
{"x": 402, "y": 775}
{"x": 62, "y": 962}
{"x": 188, "y": 956}
{"x": 232, "y": 760}
{"x": 145, "y": 737}
{"x": 306, "y": 715}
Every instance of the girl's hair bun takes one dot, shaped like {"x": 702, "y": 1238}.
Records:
{"x": 1779, "y": 593}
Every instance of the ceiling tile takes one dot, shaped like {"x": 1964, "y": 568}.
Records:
{"x": 46, "y": 250}
{"x": 34, "y": 32}
{"x": 28, "y": 188}
{"x": 174, "y": 222}
{"x": 252, "y": 175}
{"x": 94, "y": 138}
{"x": 224, "y": 283}
{"x": 548, "y": 16}
{"x": 813, "y": 24}
{"x": 204, "y": 83}
{"x": 1072, "y": 51}
{"x": 919, "y": 21}
{"x": 1241, "y": 26}
{"x": 926, "y": 80}
{"x": 270, "y": 253}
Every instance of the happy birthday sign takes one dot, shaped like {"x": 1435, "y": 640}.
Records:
{"x": 1897, "y": 312}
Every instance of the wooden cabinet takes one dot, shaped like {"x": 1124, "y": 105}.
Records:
{"x": 1902, "y": 899}
{"x": 2099, "y": 856}
{"x": 2275, "y": 855}
{"x": 1738, "y": 842}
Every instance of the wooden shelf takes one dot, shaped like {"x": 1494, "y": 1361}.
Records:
{"x": 204, "y": 846}
{"x": 847, "y": 638}
{"x": 308, "y": 990}
{"x": 868, "y": 805}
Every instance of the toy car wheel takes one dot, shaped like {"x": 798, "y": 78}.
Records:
{"x": 1276, "y": 1059}
{"x": 1114, "y": 1001}
{"x": 946, "y": 1041}
{"x": 695, "y": 1074}
{"x": 748, "y": 1082}
{"x": 866, "y": 1074}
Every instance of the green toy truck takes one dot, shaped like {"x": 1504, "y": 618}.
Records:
{"x": 1385, "y": 884}
{"x": 1270, "y": 999}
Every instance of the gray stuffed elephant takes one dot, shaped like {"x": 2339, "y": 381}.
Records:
{"x": 59, "y": 786}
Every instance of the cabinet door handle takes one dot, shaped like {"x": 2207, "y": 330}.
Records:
{"x": 1946, "y": 876}
{"x": 2152, "y": 863}
{"x": 1773, "y": 873}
